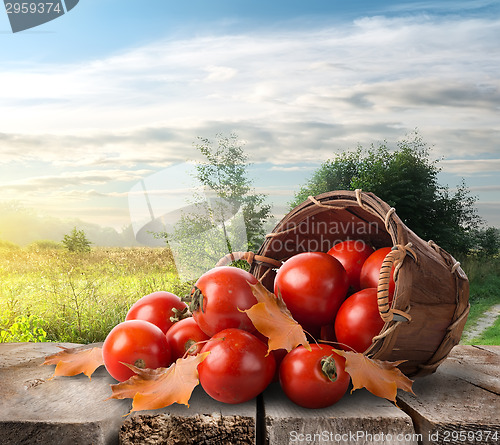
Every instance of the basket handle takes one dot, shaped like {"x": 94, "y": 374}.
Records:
{"x": 249, "y": 257}
{"x": 396, "y": 255}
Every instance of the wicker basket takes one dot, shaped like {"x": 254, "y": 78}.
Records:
{"x": 431, "y": 299}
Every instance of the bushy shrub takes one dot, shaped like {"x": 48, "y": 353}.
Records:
{"x": 77, "y": 241}
{"x": 45, "y": 244}
{"x": 21, "y": 328}
{"x": 8, "y": 245}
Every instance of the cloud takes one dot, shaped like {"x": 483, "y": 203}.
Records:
{"x": 85, "y": 195}
{"x": 426, "y": 92}
{"x": 471, "y": 166}
{"x": 159, "y": 146}
{"x": 293, "y": 168}
{"x": 485, "y": 188}
{"x": 297, "y": 95}
{"x": 361, "y": 81}
{"x": 220, "y": 73}
{"x": 39, "y": 184}
{"x": 490, "y": 211}
{"x": 443, "y": 6}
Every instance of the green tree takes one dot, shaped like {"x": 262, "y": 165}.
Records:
{"x": 226, "y": 217}
{"x": 407, "y": 179}
{"x": 487, "y": 242}
{"x": 76, "y": 241}
{"x": 224, "y": 171}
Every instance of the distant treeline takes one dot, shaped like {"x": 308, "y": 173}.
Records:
{"x": 23, "y": 226}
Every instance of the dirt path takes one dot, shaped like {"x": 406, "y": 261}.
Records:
{"x": 484, "y": 322}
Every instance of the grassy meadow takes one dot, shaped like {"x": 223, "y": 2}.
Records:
{"x": 484, "y": 279}
{"x": 50, "y": 294}
{"x": 77, "y": 297}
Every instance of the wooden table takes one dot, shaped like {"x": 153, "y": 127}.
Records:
{"x": 459, "y": 404}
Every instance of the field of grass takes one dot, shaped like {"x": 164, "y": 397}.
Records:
{"x": 77, "y": 297}
{"x": 50, "y": 294}
{"x": 484, "y": 278}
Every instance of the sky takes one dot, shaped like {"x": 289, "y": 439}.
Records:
{"x": 110, "y": 98}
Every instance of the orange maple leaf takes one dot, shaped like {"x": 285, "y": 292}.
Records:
{"x": 272, "y": 318}
{"x": 161, "y": 387}
{"x": 73, "y": 361}
{"x": 381, "y": 378}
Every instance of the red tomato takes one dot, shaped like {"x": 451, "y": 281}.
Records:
{"x": 358, "y": 320}
{"x": 371, "y": 270}
{"x": 352, "y": 254}
{"x": 237, "y": 368}
{"x": 183, "y": 335}
{"x": 137, "y": 342}
{"x": 306, "y": 384}
{"x": 219, "y": 296}
{"x": 278, "y": 353}
{"x": 157, "y": 308}
{"x": 313, "y": 285}
{"x": 327, "y": 332}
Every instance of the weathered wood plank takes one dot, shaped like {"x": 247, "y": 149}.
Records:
{"x": 206, "y": 421}
{"x": 475, "y": 364}
{"x": 459, "y": 403}
{"x": 72, "y": 410}
{"x": 494, "y": 349}
{"x": 64, "y": 410}
{"x": 15, "y": 354}
{"x": 359, "y": 418}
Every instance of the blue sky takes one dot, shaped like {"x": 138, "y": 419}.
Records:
{"x": 114, "y": 92}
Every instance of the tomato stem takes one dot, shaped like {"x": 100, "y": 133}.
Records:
{"x": 189, "y": 350}
{"x": 343, "y": 345}
{"x": 329, "y": 368}
{"x": 197, "y": 298}
{"x": 140, "y": 363}
{"x": 190, "y": 347}
{"x": 180, "y": 314}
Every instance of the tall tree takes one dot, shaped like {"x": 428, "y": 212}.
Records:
{"x": 227, "y": 216}
{"x": 407, "y": 179}
{"x": 225, "y": 172}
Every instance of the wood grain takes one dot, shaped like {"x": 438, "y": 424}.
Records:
{"x": 460, "y": 403}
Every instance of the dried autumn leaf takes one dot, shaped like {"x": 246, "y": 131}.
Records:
{"x": 381, "y": 378}
{"x": 161, "y": 387}
{"x": 272, "y": 318}
{"x": 73, "y": 361}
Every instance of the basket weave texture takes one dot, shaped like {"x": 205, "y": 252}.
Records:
{"x": 431, "y": 287}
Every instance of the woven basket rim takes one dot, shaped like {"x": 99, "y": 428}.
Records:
{"x": 399, "y": 234}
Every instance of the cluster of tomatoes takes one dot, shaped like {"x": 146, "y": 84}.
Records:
{"x": 334, "y": 295}
{"x": 315, "y": 287}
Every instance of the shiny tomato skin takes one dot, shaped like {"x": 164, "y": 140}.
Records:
{"x": 358, "y": 320}
{"x": 370, "y": 271}
{"x": 303, "y": 381}
{"x": 138, "y": 343}
{"x": 237, "y": 368}
{"x": 327, "y": 332}
{"x": 313, "y": 285}
{"x": 226, "y": 293}
{"x": 352, "y": 254}
{"x": 278, "y": 353}
{"x": 157, "y": 309}
{"x": 182, "y": 337}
